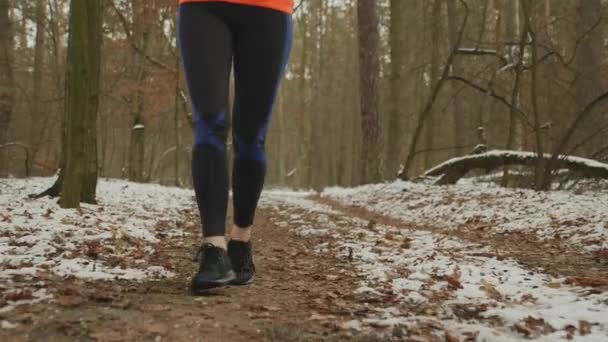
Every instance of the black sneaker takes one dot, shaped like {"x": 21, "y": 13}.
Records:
{"x": 242, "y": 262}
{"x": 215, "y": 270}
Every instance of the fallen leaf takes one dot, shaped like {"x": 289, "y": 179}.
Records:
{"x": 69, "y": 301}
{"x": 584, "y": 328}
{"x": 490, "y": 290}
{"x": 454, "y": 281}
{"x": 468, "y": 311}
{"x": 570, "y": 331}
{"x": 451, "y": 338}
{"x": 19, "y": 295}
{"x": 588, "y": 282}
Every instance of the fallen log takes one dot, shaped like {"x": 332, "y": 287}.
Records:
{"x": 454, "y": 169}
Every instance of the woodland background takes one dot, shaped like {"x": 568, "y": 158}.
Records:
{"x": 371, "y": 86}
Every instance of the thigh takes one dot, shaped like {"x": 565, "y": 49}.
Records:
{"x": 261, "y": 48}
{"x": 205, "y": 44}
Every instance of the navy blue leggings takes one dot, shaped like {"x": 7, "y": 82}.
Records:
{"x": 214, "y": 36}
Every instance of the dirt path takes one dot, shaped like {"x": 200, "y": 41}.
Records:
{"x": 326, "y": 272}
{"x": 552, "y": 256}
{"x": 295, "y": 292}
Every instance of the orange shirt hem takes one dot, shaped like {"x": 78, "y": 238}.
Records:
{"x": 279, "y": 5}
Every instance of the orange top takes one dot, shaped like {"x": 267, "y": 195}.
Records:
{"x": 279, "y": 5}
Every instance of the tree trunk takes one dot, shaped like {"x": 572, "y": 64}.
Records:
{"x": 589, "y": 57}
{"x": 369, "y": 68}
{"x": 82, "y": 98}
{"x": 141, "y": 20}
{"x": 398, "y": 105}
{"x": 454, "y": 169}
{"x": 430, "y": 129}
{"x": 6, "y": 76}
{"x": 38, "y": 120}
{"x": 176, "y": 125}
{"x": 456, "y": 107}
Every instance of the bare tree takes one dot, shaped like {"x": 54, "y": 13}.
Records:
{"x": 82, "y": 99}
{"x": 398, "y": 82}
{"x": 432, "y": 98}
{"x": 588, "y": 62}
{"x": 38, "y": 119}
{"x": 369, "y": 73}
{"x": 6, "y": 76}
{"x": 141, "y": 23}
{"x": 456, "y": 107}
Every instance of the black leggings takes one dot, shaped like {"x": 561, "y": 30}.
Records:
{"x": 212, "y": 37}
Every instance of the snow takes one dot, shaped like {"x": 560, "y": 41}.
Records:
{"x": 523, "y": 155}
{"x": 7, "y": 325}
{"x": 38, "y": 237}
{"x": 580, "y": 219}
{"x": 420, "y": 277}
{"x": 417, "y": 275}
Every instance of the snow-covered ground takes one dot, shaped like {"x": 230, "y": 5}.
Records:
{"x": 422, "y": 278}
{"x": 436, "y": 281}
{"x": 579, "y": 218}
{"x": 104, "y": 242}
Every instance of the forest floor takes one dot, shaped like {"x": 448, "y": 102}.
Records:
{"x": 399, "y": 261}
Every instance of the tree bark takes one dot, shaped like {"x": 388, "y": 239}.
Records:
{"x": 456, "y": 107}
{"x": 369, "y": 75}
{"x": 141, "y": 20}
{"x": 82, "y": 98}
{"x": 398, "y": 82}
{"x": 588, "y": 82}
{"x": 6, "y": 76}
{"x": 38, "y": 120}
{"x": 434, "y": 78}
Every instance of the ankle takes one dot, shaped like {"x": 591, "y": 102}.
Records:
{"x": 240, "y": 234}
{"x": 217, "y": 241}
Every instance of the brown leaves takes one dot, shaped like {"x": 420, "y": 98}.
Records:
{"x": 451, "y": 338}
{"x": 69, "y": 301}
{"x": 584, "y": 328}
{"x": 25, "y": 294}
{"x": 533, "y": 327}
{"x": 587, "y": 281}
{"x": 454, "y": 281}
{"x": 48, "y": 213}
{"x": 468, "y": 337}
{"x": 491, "y": 291}
{"x": 5, "y": 218}
{"x": 469, "y": 311}
{"x": 92, "y": 248}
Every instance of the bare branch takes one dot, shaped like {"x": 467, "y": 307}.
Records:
{"x": 434, "y": 93}
{"x": 132, "y": 42}
{"x": 493, "y": 95}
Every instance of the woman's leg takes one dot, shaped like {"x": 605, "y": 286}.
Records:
{"x": 206, "y": 48}
{"x": 261, "y": 51}
{"x": 205, "y": 42}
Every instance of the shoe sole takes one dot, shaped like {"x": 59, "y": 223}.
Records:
{"x": 210, "y": 286}
{"x": 243, "y": 283}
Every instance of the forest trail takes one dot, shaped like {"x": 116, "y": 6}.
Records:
{"x": 328, "y": 270}
{"x": 290, "y": 300}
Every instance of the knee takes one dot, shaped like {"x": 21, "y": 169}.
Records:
{"x": 252, "y": 150}
{"x": 210, "y": 130}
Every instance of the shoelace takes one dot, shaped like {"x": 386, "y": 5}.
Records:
{"x": 199, "y": 253}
